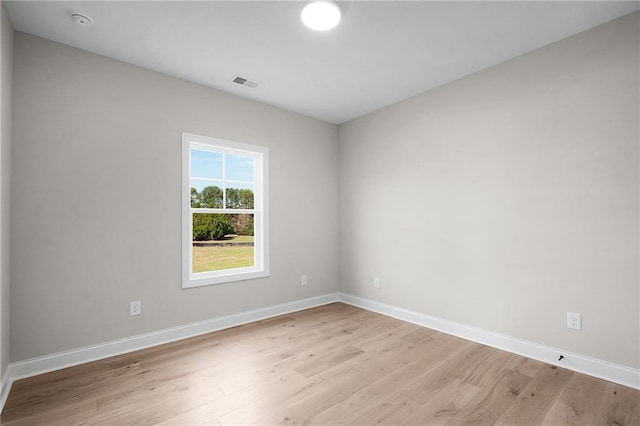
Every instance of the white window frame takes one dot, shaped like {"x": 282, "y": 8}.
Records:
{"x": 260, "y": 212}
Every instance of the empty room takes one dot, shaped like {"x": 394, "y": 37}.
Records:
{"x": 320, "y": 212}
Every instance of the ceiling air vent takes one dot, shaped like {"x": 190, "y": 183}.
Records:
{"x": 245, "y": 82}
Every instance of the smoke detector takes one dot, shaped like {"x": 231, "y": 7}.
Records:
{"x": 82, "y": 20}
{"x": 245, "y": 82}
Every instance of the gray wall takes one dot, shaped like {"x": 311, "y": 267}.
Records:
{"x": 507, "y": 198}
{"x": 502, "y": 200}
{"x": 96, "y": 207}
{"x": 6, "y": 73}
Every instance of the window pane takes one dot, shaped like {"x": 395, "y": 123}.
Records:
{"x": 239, "y": 168}
{"x": 224, "y": 188}
{"x": 206, "y": 194}
{"x": 240, "y": 196}
{"x": 222, "y": 241}
{"x": 206, "y": 164}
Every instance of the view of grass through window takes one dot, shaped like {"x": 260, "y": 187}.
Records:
{"x": 222, "y": 202}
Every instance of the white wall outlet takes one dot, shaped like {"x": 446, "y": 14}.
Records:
{"x": 135, "y": 308}
{"x": 376, "y": 282}
{"x": 303, "y": 280}
{"x": 574, "y": 321}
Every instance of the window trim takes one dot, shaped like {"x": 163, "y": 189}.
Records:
{"x": 260, "y": 212}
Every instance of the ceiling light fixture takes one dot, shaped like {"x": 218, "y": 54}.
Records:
{"x": 321, "y": 15}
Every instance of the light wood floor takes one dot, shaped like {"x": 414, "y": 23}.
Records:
{"x": 334, "y": 364}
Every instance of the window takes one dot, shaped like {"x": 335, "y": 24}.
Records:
{"x": 224, "y": 211}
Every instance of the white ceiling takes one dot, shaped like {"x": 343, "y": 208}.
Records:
{"x": 381, "y": 52}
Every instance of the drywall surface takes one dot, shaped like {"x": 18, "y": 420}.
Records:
{"x": 507, "y": 198}
{"x": 96, "y": 207}
{"x": 6, "y": 72}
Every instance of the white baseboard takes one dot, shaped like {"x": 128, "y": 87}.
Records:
{"x": 616, "y": 373}
{"x": 57, "y": 361}
{"x": 594, "y": 367}
{"x": 5, "y": 387}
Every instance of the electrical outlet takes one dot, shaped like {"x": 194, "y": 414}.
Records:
{"x": 303, "y": 280}
{"x": 376, "y": 282}
{"x": 135, "y": 308}
{"x": 574, "y": 321}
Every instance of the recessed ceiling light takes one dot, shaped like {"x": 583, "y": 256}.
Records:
{"x": 321, "y": 15}
{"x": 82, "y": 20}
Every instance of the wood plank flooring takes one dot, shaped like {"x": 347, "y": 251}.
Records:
{"x": 334, "y": 364}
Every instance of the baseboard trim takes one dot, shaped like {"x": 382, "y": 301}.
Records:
{"x": 57, "y": 361}
{"x": 5, "y": 387}
{"x": 583, "y": 364}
